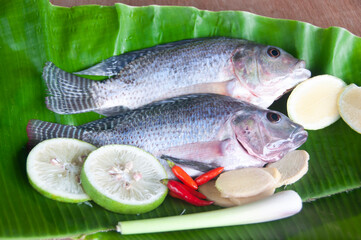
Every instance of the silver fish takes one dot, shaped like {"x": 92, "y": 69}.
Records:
{"x": 249, "y": 71}
{"x": 197, "y": 130}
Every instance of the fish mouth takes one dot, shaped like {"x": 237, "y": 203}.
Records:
{"x": 299, "y": 137}
{"x": 298, "y": 75}
{"x": 301, "y": 74}
{"x": 299, "y": 71}
{"x": 296, "y": 139}
{"x": 300, "y": 64}
{"x": 276, "y": 150}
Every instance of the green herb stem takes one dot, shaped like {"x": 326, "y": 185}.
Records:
{"x": 280, "y": 205}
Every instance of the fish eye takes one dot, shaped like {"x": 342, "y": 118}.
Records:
{"x": 273, "y": 52}
{"x": 273, "y": 117}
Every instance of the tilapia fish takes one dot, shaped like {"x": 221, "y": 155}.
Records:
{"x": 238, "y": 68}
{"x": 199, "y": 132}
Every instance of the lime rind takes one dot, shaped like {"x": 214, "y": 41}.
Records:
{"x": 116, "y": 206}
{"x": 108, "y": 177}
{"x": 58, "y": 196}
{"x": 53, "y": 168}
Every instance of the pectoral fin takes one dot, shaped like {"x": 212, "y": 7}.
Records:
{"x": 199, "y": 156}
{"x": 200, "y": 166}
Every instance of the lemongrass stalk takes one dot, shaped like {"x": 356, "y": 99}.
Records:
{"x": 280, "y": 205}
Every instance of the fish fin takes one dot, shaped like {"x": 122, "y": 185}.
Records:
{"x": 103, "y": 123}
{"x": 67, "y": 93}
{"x": 113, "y": 65}
{"x": 200, "y": 166}
{"x": 176, "y": 99}
{"x": 113, "y": 119}
{"x": 109, "y": 67}
{"x": 199, "y": 156}
{"x": 38, "y": 131}
{"x": 112, "y": 111}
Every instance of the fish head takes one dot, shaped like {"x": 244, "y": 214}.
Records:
{"x": 267, "y": 72}
{"x": 266, "y": 134}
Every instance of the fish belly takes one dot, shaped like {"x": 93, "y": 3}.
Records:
{"x": 223, "y": 153}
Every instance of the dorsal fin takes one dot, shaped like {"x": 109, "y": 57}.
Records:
{"x": 113, "y": 65}
{"x": 103, "y": 123}
{"x": 115, "y": 120}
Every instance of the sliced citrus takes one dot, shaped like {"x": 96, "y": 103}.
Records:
{"x": 313, "y": 103}
{"x": 124, "y": 179}
{"x": 349, "y": 106}
{"x": 53, "y": 167}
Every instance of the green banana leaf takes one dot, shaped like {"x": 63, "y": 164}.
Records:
{"x": 33, "y": 32}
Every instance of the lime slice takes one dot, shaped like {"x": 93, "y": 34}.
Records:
{"x": 313, "y": 103}
{"x": 53, "y": 167}
{"x": 124, "y": 179}
{"x": 349, "y": 106}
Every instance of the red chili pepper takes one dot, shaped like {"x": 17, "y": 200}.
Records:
{"x": 202, "y": 179}
{"x": 178, "y": 189}
{"x": 194, "y": 192}
{"x": 191, "y": 191}
{"x": 173, "y": 194}
{"x": 182, "y": 175}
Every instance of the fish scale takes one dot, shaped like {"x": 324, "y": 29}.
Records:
{"x": 232, "y": 67}
{"x": 160, "y": 119}
{"x": 208, "y": 129}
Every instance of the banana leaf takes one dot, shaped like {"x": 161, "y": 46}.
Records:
{"x": 33, "y": 32}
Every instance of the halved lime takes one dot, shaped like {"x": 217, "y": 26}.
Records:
{"x": 124, "y": 179}
{"x": 53, "y": 167}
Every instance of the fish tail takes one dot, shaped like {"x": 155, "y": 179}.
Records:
{"x": 38, "y": 131}
{"x": 67, "y": 93}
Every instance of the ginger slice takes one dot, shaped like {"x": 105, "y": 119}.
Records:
{"x": 274, "y": 172}
{"x": 244, "y": 182}
{"x": 293, "y": 166}
{"x": 211, "y": 192}
{"x": 242, "y": 201}
{"x": 349, "y": 106}
{"x": 313, "y": 103}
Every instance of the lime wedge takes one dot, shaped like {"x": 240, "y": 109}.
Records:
{"x": 124, "y": 179}
{"x": 53, "y": 167}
